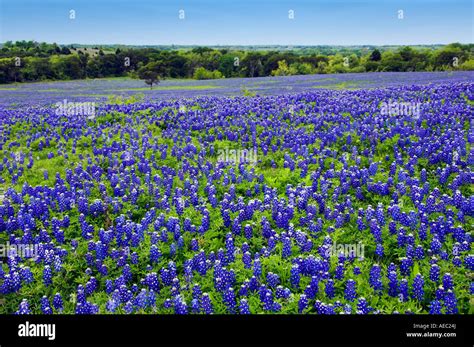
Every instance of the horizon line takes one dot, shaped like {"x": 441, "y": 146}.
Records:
{"x": 241, "y": 45}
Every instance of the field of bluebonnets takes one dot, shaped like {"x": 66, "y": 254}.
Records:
{"x": 324, "y": 201}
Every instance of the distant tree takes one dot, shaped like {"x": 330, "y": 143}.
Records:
{"x": 407, "y": 53}
{"x": 322, "y": 67}
{"x": 41, "y": 60}
{"x": 445, "y": 57}
{"x": 375, "y": 55}
{"x": 252, "y": 64}
{"x": 227, "y": 64}
{"x": 150, "y": 73}
{"x": 65, "y": 50}
{"x": 302, "y": 68}
{"x": 283, "y": 69}
{"x": 202, "y": 74}
{"x": 201, "y": 50}
{"x": 150, "y": 77}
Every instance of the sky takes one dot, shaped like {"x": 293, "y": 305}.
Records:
{"x": 238, "y": 22}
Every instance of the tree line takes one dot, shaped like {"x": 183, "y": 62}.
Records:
{"x": 25, "y": 61}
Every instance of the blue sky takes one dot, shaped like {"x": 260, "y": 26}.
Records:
{"x": 238, "y": 22}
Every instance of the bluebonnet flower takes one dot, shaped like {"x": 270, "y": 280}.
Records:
{"x": 244, "y": 307}
{"x": 469, "y": 262}
{"x": 152, "y": 282}
{"x": 230, "y": 250}
{"x": 418, "y": 287}
{"x": 435, "y": 307}
{"x": 257, "y": 268}
{"x": 26, "y": 274}
{"x": 379, "y": 250}
{"x": 435, "y": 245}
{"x": 207, "y": 304}
{"x": 253, "y": 283}
{"x": 439, "y": 293}
{"x": 312, "y": 288}
{"x": 195, "y": 307}
{"x": 350, "y": 290}
{"x": 450, "y": 302}
{"x": 302, "y": 303}
{"x": 247, "y": 260}
{"x": 419, "y": 252}
{"x": 47, "y": 275}
{"x": 405, "y": 265}
{"x": 180, "y": 306}
{"x": 229, "y": 300}
{"x": 403, "y": 289}
{"x": 286, "y": 251}
{"x": 434, "y": 272}
{"x": 194, "y": 246}
{"x": 58, "y": 302}
{"x": 45, "y": 305}
{"x": 392, "y": 283}
{"x": 375, "y": 278}
{"x": 82, "y": 308}
{"x": 329, "y": 288}
{"x": 128, "y": 307}
{"x": 168, "y": 303}
{"x": 173, "y": 249}
{"x": 248, "y": 231}
{"x": 273, "y": 279}
{"x": 267, "y": 299}
{"x": 134, "y": 258}
{"x": 295, "y": 275}
{"x": 24, "y": 307}
{"x": 457, "y": 261}
{"x": 447, "y": 281}
{"x": 155, "y": 254}
{"x": 339, "y": 273}
{"x": 197, "y": 292}
{"x": 375, "y": 230}
{"x": 280, "y": 293}
{"x": 362, "y": 306}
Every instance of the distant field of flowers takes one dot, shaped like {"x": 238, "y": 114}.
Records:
{"x": 327, "y": 194}
{"x": 101, "y": 89}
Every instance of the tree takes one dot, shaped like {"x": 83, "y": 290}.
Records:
{"x": 375, "y": 55}
{"x": 252, "y": 63}
{"x": 150, "y": 73}
{"x": 227, "y": 65}
{"x": 283, "y": 69}
{"x": 202, "y": 74}
{"x": 65, "y": 50}
{"x": 445, "y": 57}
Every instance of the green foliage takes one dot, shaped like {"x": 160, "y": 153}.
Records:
{"x": 43, "y": 61}
{"x": 247, "y": 92}
{"x": 150, "y": 73}
{"x": 283, "y": 69}
{"x": 123, "y": 100}
{"x": 202, "y": 74}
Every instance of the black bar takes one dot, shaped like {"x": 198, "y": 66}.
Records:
{"x": 259, "y": 329}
